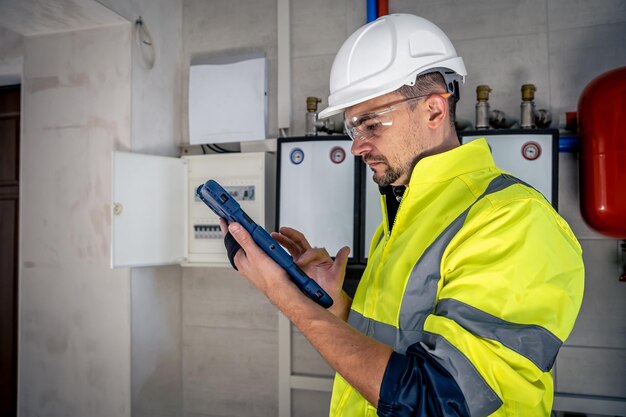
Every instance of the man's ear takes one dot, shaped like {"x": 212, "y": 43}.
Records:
{"x": 437, "y": 107}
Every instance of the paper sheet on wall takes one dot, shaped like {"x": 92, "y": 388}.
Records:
{"x": 228, "y": 102}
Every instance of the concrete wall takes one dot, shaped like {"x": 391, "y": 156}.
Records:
{"x": 74, "y": 356}
{"x": 229, "y": 332}
{"x": 156, "y": 129}
{"x": 87, "y": 93}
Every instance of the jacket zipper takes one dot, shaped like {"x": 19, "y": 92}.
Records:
{"x": 397, "y": 212}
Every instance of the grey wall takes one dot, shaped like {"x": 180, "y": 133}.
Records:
{"x": 94, "y": 341}
{"x": 156, "y": 383}
{"x": 559, "y": 45}
{"x": 230, "y": 334}
{"x": 74, "y": 351}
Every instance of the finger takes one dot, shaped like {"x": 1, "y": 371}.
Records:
{"x": 341, "y": 259}
{"x": 288, "y": 244}
{"x": 315, "y": 256}
{"x": 223, "y": 225}
{"x": 296, "y": 236}
{"x": 250, "y": 248}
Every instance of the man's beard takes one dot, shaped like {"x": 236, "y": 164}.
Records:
{"x": 388, "y": 177}
{"x": 391, "y": 174}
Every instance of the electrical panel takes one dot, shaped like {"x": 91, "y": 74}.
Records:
{"x": 157, "y": 218}
{"x": 245, "y": 177}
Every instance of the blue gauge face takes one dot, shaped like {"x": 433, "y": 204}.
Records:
{"x": 296, "y": 156}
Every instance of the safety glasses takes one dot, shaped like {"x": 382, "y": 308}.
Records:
{"x": 372, "y": 124}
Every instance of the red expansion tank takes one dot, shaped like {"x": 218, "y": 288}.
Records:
{"x": 602, "y": 129}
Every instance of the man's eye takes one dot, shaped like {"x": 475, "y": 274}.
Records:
{"x": 371, "y": 125}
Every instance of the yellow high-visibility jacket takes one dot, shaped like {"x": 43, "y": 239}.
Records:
{"x": 475, "y": 288}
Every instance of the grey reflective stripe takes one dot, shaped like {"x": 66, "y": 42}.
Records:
{"x": 383, "y": 332}
{"x": 421, "y": 290}
{"x": 531, "y": 341}
{"x": 481, "y": 399}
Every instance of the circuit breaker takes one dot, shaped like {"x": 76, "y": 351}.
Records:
{"x": 157, "y": 218}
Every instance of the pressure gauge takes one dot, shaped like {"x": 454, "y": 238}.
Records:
{"x": 531, "y": 151}
{"x": 337, "y": 154}
{"x": 296, "y": 156}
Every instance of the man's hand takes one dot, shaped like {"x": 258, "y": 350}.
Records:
{"x": 253, "y": 263}
{"x": 317, "y": 264}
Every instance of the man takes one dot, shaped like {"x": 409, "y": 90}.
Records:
{"x": 473, "y": 281}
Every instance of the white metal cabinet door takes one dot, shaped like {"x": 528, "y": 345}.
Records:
{"x": 149, "y": 216}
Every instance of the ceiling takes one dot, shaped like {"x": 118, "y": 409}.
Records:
{"x": 37, "y": 17}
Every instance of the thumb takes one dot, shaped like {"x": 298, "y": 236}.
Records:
{"x": 244, "y": 239}
{"x": 341, "y": 259}
{"x": 240, "y": 234}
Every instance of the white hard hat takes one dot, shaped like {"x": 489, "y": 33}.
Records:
{"x": 386, "y": 54}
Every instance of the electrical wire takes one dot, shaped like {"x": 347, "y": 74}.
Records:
{"x": 212, "y": 147}
{"x": 144, "y": 44}
{"x": 215, "y": 148}
{"x": 223, "y": 150}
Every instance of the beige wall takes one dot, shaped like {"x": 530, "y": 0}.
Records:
{"x": 156, "y": 381}
{"x": 94, "y": 341}
{"x": 74, "y": 356}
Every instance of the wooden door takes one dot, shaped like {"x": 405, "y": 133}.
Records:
{"x": 9, "y": 193}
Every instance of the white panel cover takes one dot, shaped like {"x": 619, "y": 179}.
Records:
{"x": 507, "y": 153}
{"x": 150, "y": 229}
{"x": 317, "y": 194}
{"x": 228, "y": 101}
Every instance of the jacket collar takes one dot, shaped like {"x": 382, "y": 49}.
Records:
{"x": 472, "y": 156}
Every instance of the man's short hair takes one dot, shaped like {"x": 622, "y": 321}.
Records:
{"x": 430, "y": 83}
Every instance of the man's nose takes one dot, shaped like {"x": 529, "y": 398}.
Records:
{"x": 360, "y": 147}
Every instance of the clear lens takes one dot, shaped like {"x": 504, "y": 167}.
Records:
{"x": 368, "y": 126}
{"x": 371, "y": 125}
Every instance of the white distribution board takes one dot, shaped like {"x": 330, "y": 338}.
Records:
{"x": 316, "y": 194}
{"x": 157, "y": 218}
